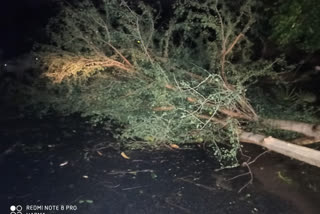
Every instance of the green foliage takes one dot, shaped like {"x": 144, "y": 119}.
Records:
{"x": 282, "y": 102}
{"x": 174, "y": 91}
{"x": 296, "y": 22}
{"x": 86, "y": 28}
{"x": 203, "y": 29}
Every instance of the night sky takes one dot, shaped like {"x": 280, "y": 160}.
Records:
{"x": 21, "y": 23}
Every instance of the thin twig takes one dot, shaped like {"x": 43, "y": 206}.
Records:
{"x": 247, "y": 164}
{"x": 130, "y": 172}
{"x": 251, "y": 178}
{"x": 238, "y": 176}
{"x": 137, "y": 187}
{"x": 197, "y": 184}
{"x": 118, "y": 52}
{"x": 233, "y": 43}
{"x": 177, "y": 206}
{"x": 256, "y": 158}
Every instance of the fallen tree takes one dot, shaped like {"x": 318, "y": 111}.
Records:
{"x": 179, "y": 81}
{"x": 301, "y": 153}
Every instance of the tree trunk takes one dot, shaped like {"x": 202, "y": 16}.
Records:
{"x": 309, "y": 130}
{"x": 301, "y": 153}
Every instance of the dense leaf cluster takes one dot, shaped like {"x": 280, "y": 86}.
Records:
{"x": 297, "y": 22}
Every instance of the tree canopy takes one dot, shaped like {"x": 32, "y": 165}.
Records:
{"x": 181, "y": 80}
{"x": 296, "y": 22}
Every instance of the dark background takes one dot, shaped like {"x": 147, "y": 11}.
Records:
{"x": 21, "y": 23}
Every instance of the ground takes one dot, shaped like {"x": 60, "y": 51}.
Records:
{"x": 65, "y": 161}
